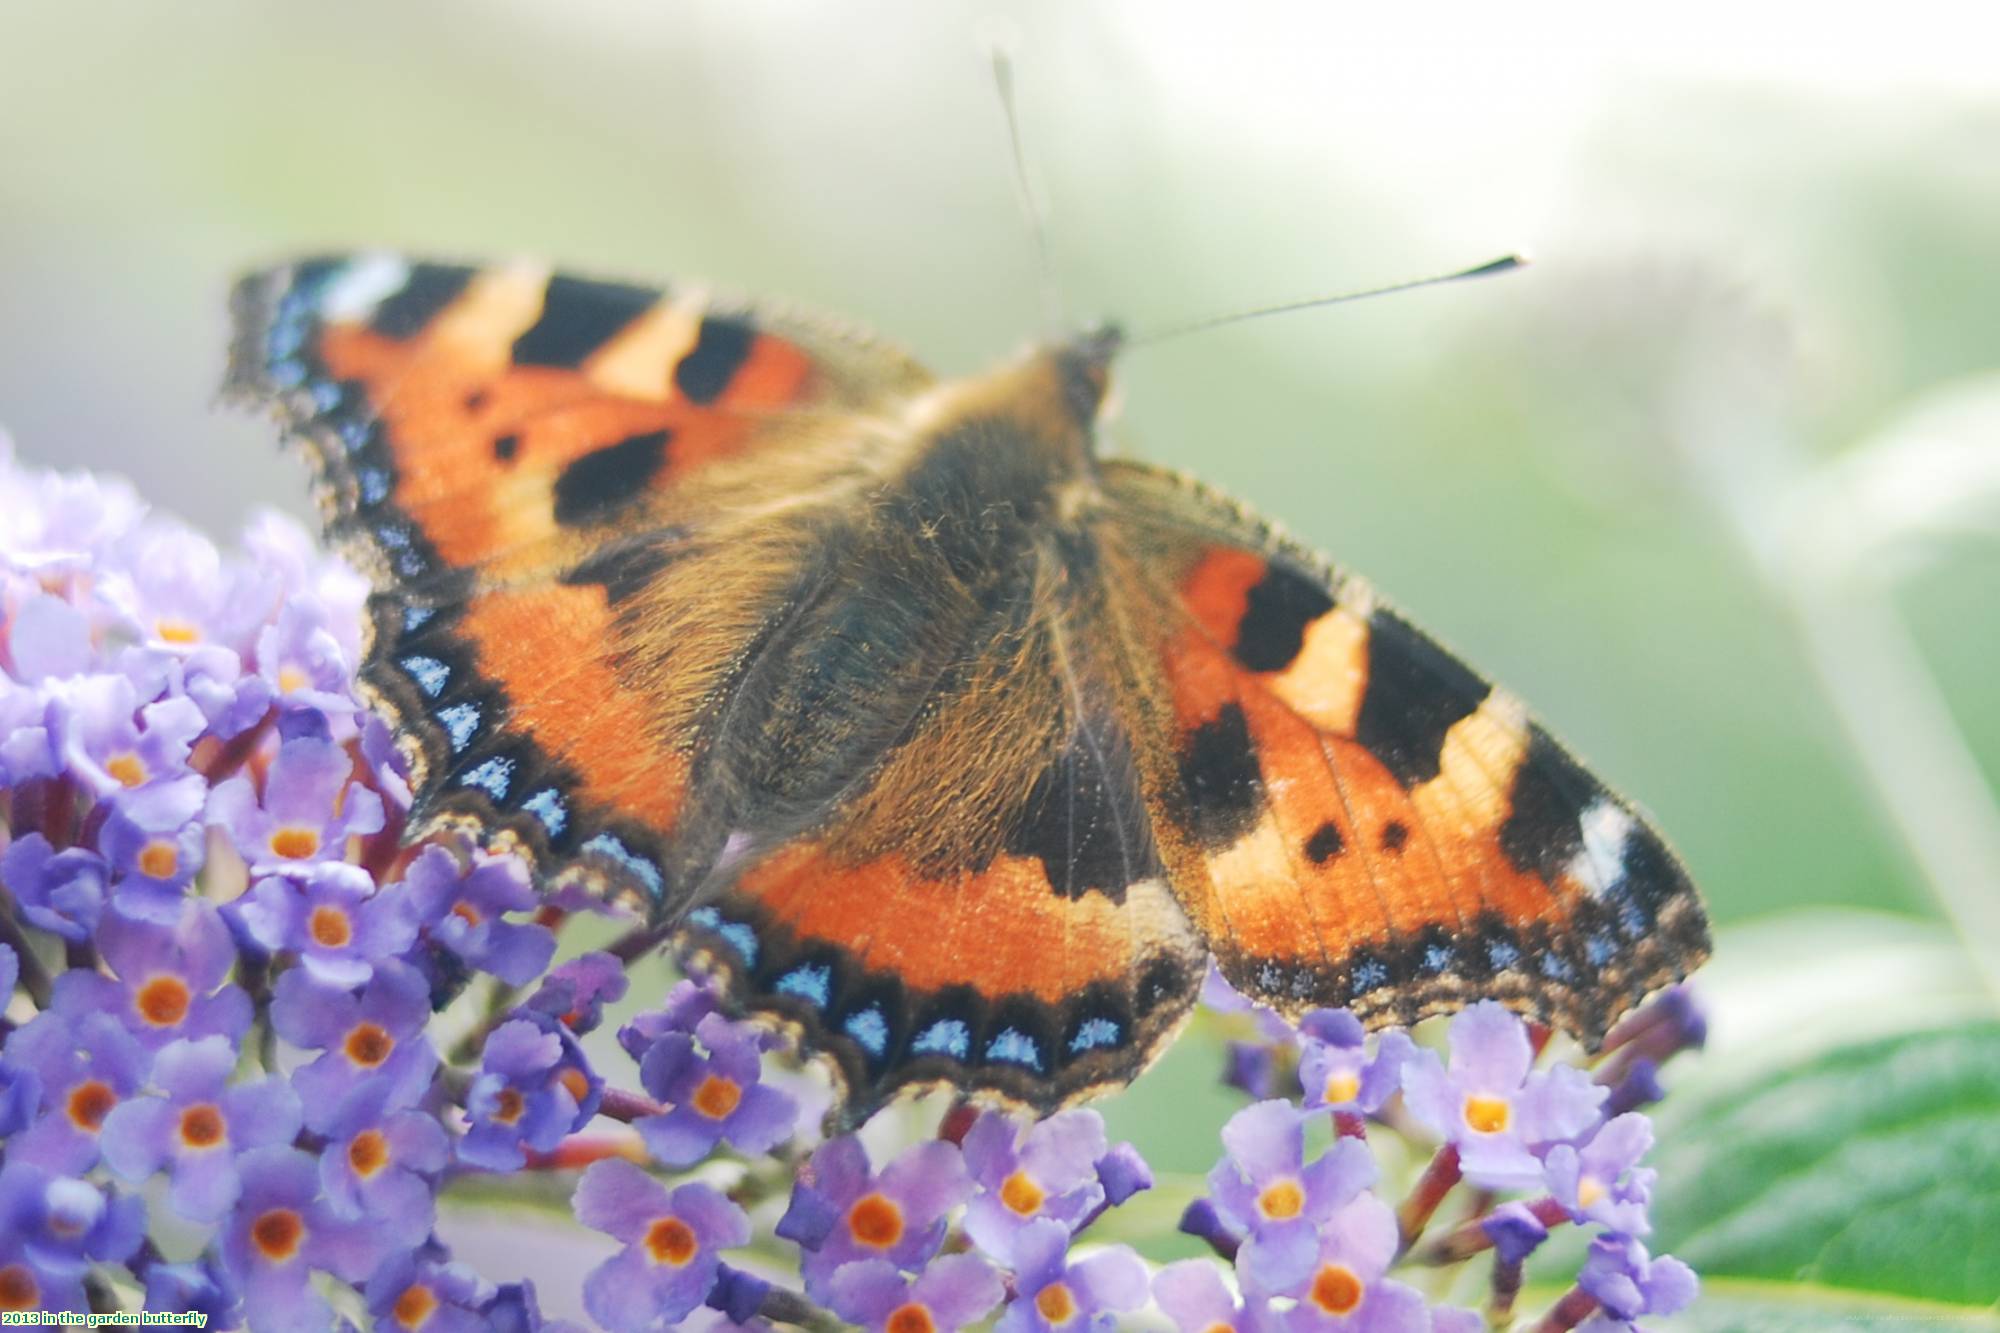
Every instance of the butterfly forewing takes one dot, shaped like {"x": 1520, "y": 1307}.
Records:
{"x": 1354, "y": 817}
{"x": 526, "y": 463}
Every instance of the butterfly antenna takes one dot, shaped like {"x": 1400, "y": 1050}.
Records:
{"x": 1505, "y": 264}
{"x": 1031, "y": 207}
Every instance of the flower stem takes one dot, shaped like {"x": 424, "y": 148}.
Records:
{"x": 1438, "y": 1180}
{"x": 1575, "y": 1306}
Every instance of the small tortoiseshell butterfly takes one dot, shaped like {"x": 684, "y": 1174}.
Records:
{"x": 943, "y": 741}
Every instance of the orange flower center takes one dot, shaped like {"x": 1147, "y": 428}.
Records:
{"x": 875, "y": 1221}
{"x": 1056, "y": 1303}
{"x": 1488, "y": 1115}
{"x": 294, "y": 843}
{"x": 89, "y": 1102}
{"x": 717, "y": 1096}
{"x": 18, "y": 1288}
{"x": 1336, "y": 1289}
{"x": 574, "y": 1083}
{"x": 467, "y": 913}
{"x": 1022, "y": 1194}
{"x": 1341, "y": 1086}
{"x": 413, "y": 1308}
{"x": 277, "y": 1234}
{"x": 127, "y": 768}
{"x": 368, "y": 1045}
{"x": 510, "y": 1106}
{"x": 175, "y": 630}
{"x": 911, "y": 1318}
{"x": 202, "y": 1126}
{"x": 163, "y": 1001}
{"x": 290, "y": 679}
{"x": 1281, "y": 1200}
{"x": 330, "y": 927}
{"x": 368, "y": 1152}
{"x": 159, "y": 859}
{"x": 671, "y": 1241}
{"x": 1589, "y": 1191}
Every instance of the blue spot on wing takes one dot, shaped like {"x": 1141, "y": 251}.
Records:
{"x": 547, "y": 805}
{"x": 608, "y": 845}
{"x": 374, "y": 485}
{"x": 1502, "y": 954}
{"x": 869, "y": 1029}
{"x": 430, "y": 674}
{"x": 1369, "y": 973}
{"x": 416, "y": 617}
{"x": 1437, "y": 958}
{"x": 492, "y": 776}
{"x": 812, "y": 982}
{"x": 1015, "y": 1047}
{"x": 947, "y": 1036}
{"x": 1095, "y": 1033}
{"x": 461, "y": 724}
{"x": 735, "y": 934}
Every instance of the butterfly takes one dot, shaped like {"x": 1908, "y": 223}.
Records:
{"x": 945, "y": 743}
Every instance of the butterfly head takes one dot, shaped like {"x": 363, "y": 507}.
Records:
{"x": 1083, "y": 368}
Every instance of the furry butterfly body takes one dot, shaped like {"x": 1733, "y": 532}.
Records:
{"x": 943, "y": 741}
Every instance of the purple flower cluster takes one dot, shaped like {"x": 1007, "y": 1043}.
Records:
{"x": 249, "y": 1039}
{"x": 1314, "y": 1240}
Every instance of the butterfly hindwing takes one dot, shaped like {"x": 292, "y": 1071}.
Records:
{"x": 519, "y": 458}
{"x": 1362, "y": 820}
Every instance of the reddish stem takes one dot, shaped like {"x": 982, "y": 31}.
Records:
{"x": 1470, "y": 1238}
{"x": 580, "y": 1150}
{"x": 1437, "y": 1181}
{"x": 628, "y": 1106}
{"x": 1576, "y": 1306}
{"x": 1350, "y": 1125}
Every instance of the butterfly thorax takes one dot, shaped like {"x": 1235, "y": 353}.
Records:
{"x": 952, "y": 571}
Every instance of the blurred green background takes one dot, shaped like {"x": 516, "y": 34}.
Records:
{"x": 1732, "y": 224}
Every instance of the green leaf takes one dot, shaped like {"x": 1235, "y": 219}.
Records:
{"x": 1862, "y": 1176}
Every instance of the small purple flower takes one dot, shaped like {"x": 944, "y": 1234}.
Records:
{"x": 84, "y": 1068}
{"x": 534, "y": 1088}
{"x": 200, "y": 1287}
{"x": 168, "y": 981}
{"x": 577, "y": 991}
{"x": 1053, "y": 1295}
{"x": 310, "y": 807}
{"x": 1047, "y": 1173}
{"x": 1193, "y": 1294}
{"x": 513, "y": 1308}
{"x": 331, "y": 916}
{"x": 685, "y": 1006}
{"x": 1266, "y": 1191}
{"x": 52, "y": 1228}
{"x": 1335, "y": 1069}
{"x": 841, "y": 1211}
{"x": 376, "y": 1036}
{"x": 197, "y": 1125}
{"x": 954, "y": 1291}
{"x": 1515, "y": 1232}
{"x": 1219, "y": 995}
{"x": 301, "y": 663}
{"x": 419, "y": 1292}
{"x": 155, "y": 839}
{"x": 382, "y": 1162}
{"x": 112, "y": 744}
{"x": 1602, "y": 1181}
{"x": 1629, "y": 1283}
{"x": 1123, "y": 1172}
{"x": 60, "y": 892}
{"x": 279, "y": 1231}
{"x": 1490, "y": 1106}
{"x": 464, "y": 913}
{"x": 671, "y": 1243}
{"x": 46, "y": 637}
{"x": 714, "y": 1097}
{"x": 1345, "y": 1287}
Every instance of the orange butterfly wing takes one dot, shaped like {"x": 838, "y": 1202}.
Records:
{"x": 517, "y": 457}
{"x": 1361, "y": 820}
